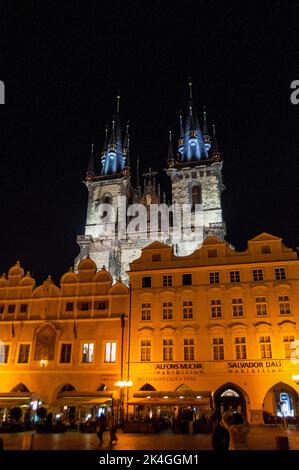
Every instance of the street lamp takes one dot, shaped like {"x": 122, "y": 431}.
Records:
{"x": 122, "y": 384}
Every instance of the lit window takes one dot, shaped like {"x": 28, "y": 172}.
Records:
{"x": 216, "y": 308}
{"x": 214, "y": 277}
{"x": 167, "y": 311}
{"x": 218, "y": 349}
{"x": 4, "y": 352}
{"x": 187, "y": 309}
{"x": 234, "y": 276}
{"x": 265, "y": 347}
{"x": 257, "y": 275}
{"x": 261, "y": 306}
{"x": 240, "y": 347}
{"x": 237, "y": 305}
{"x": 188, "y": 349}
{"x": 167, "y": 350}
{"x": 280, "y": 274}
{"x": 110, "y": 351}
{"x": 145, "y": 350}
{"x": 65, "y": 353}
{"x": 87, "y": 352}
{"x": 146, "y": 311}
{"x": 289, "y": 347}
{"x": 167, "y": 281}
{"x": 24, "y": 353}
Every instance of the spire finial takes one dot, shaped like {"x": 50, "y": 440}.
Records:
{"x": 190, "y": 88}
{"x": 118, "y": 101}
{"x": 215, "y": 149}
{"x": 90, "y": 168}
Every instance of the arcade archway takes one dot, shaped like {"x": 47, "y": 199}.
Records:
{"x": 281, "y": 401}
{"x": 230, "y": 396}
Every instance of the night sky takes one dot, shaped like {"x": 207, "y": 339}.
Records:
{"x": 62, "y": 64}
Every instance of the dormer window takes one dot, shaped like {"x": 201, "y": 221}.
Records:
{"x": 156, "y": 257}
{"x": 266, "y": 249}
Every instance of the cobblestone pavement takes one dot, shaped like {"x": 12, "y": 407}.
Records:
{"x": 259, "y": 438}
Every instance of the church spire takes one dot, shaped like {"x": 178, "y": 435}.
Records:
{"x": 215, "y": 149}
{"x": 205, "y": 130}
{"x": 182, "y": 135}
{"x": 90, "y": 169}
{"x": 170, "y": 158}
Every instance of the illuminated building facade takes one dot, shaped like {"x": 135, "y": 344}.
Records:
{"x": 64, "y": 347}
{"x": 216, "y": 328}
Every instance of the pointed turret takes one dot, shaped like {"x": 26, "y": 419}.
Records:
{"x": 170, "y": 157}
{"x": 215, "y": 153}
{"x": 205, "y": 130}
{"x": 194, "y": 147}
{"x": 90, "y": 169}
{"x": 182, "y": 136}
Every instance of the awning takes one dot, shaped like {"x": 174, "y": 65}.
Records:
{"x": 12, "y": 399}
{"x": 84, "y": 399}
{"x": 170, "y": 401}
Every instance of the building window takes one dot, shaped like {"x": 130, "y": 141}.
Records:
{"x": 196, "y": 195}
{"x": 69, "y": 306}
{"x": 187, "y": 309}
{"x": 187, "y": 279}
{"x": 23, "y": 308}
{"x": 284, "y": 305}
{"x": 146, "y": 311}
{"x": 240, "y": 347}
{"x": 214, "y": 277}
{"x": 265, "y": 347}
{"x": 167, "y": 281}
{"x": 87, "y": 352}
{"x": 289, "y": 347}
{"x": 216, "y": 308}
{"x": 257, "y": 275}
{"x": 110, "y": 351}
{"x": 212, "y": 253}
{"x": 11, "y": 308}
{"x": 218, "y": 349}
{"x": 167, "y": 311}
{"x": 65, "y": 353}
{"x": 167, "y": 349}
{"x": 261, "y": 306}
{"x": 266, "y": 249}
{"x": 234, "y": 276}
{"x": 84, "y": 306}
{"x": 188, "y": 349}
{"x": 1, "y": 309}
{"x": 146, "y": 281}
{"x": 145, "y": 351}
{"x": 24, "y": 353}
{"x": 237, "y": 305}
{"x": 280, "y": 274}
{"x": 4, "y": 353}
{"x": 156, "y": 257}
{"x": 101, "y": 305}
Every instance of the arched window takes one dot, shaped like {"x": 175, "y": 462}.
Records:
{"x": 196, "y": 195}
{"x": 20, "y": 388}
{"x": 107, "y": 199}
{"x": 147, "y": 388}
{"x": 66, "y": 388}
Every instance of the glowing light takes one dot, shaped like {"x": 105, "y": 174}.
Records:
{"x": 58, "y": 416}
{"x": 181, "y": 397}
{"x": 295, "y": 377}
{"x": 148, "y": 396}
{"x": 65, "y": 407}
{"x": 43, "y": 363}
{"x": 198, "y": 396}
{"x": 165, "y": 397}
{"x": 124, "y": 383}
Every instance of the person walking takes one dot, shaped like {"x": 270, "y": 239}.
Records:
{"x": 112, "y": 429}
{"x": 101, "y": 427}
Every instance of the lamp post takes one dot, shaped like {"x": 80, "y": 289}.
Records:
{"x": 122, "y": 384}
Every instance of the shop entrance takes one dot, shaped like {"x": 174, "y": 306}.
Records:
{"x": 280, "y": 402}
{"x": 227, "y": 397}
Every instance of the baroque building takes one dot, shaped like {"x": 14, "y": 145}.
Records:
{"x": 195, "y": 175}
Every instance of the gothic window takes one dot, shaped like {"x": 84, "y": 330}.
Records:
{"x": 107, "y": 199}
{"x": 196, "y": 195}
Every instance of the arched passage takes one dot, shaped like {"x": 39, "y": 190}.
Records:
{"x": 281, "y": 401}
{"x": 230, "y": 396}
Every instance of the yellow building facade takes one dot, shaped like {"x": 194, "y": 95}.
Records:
{"x": 62, "y": 347}
{"x": 217, "y": 328}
